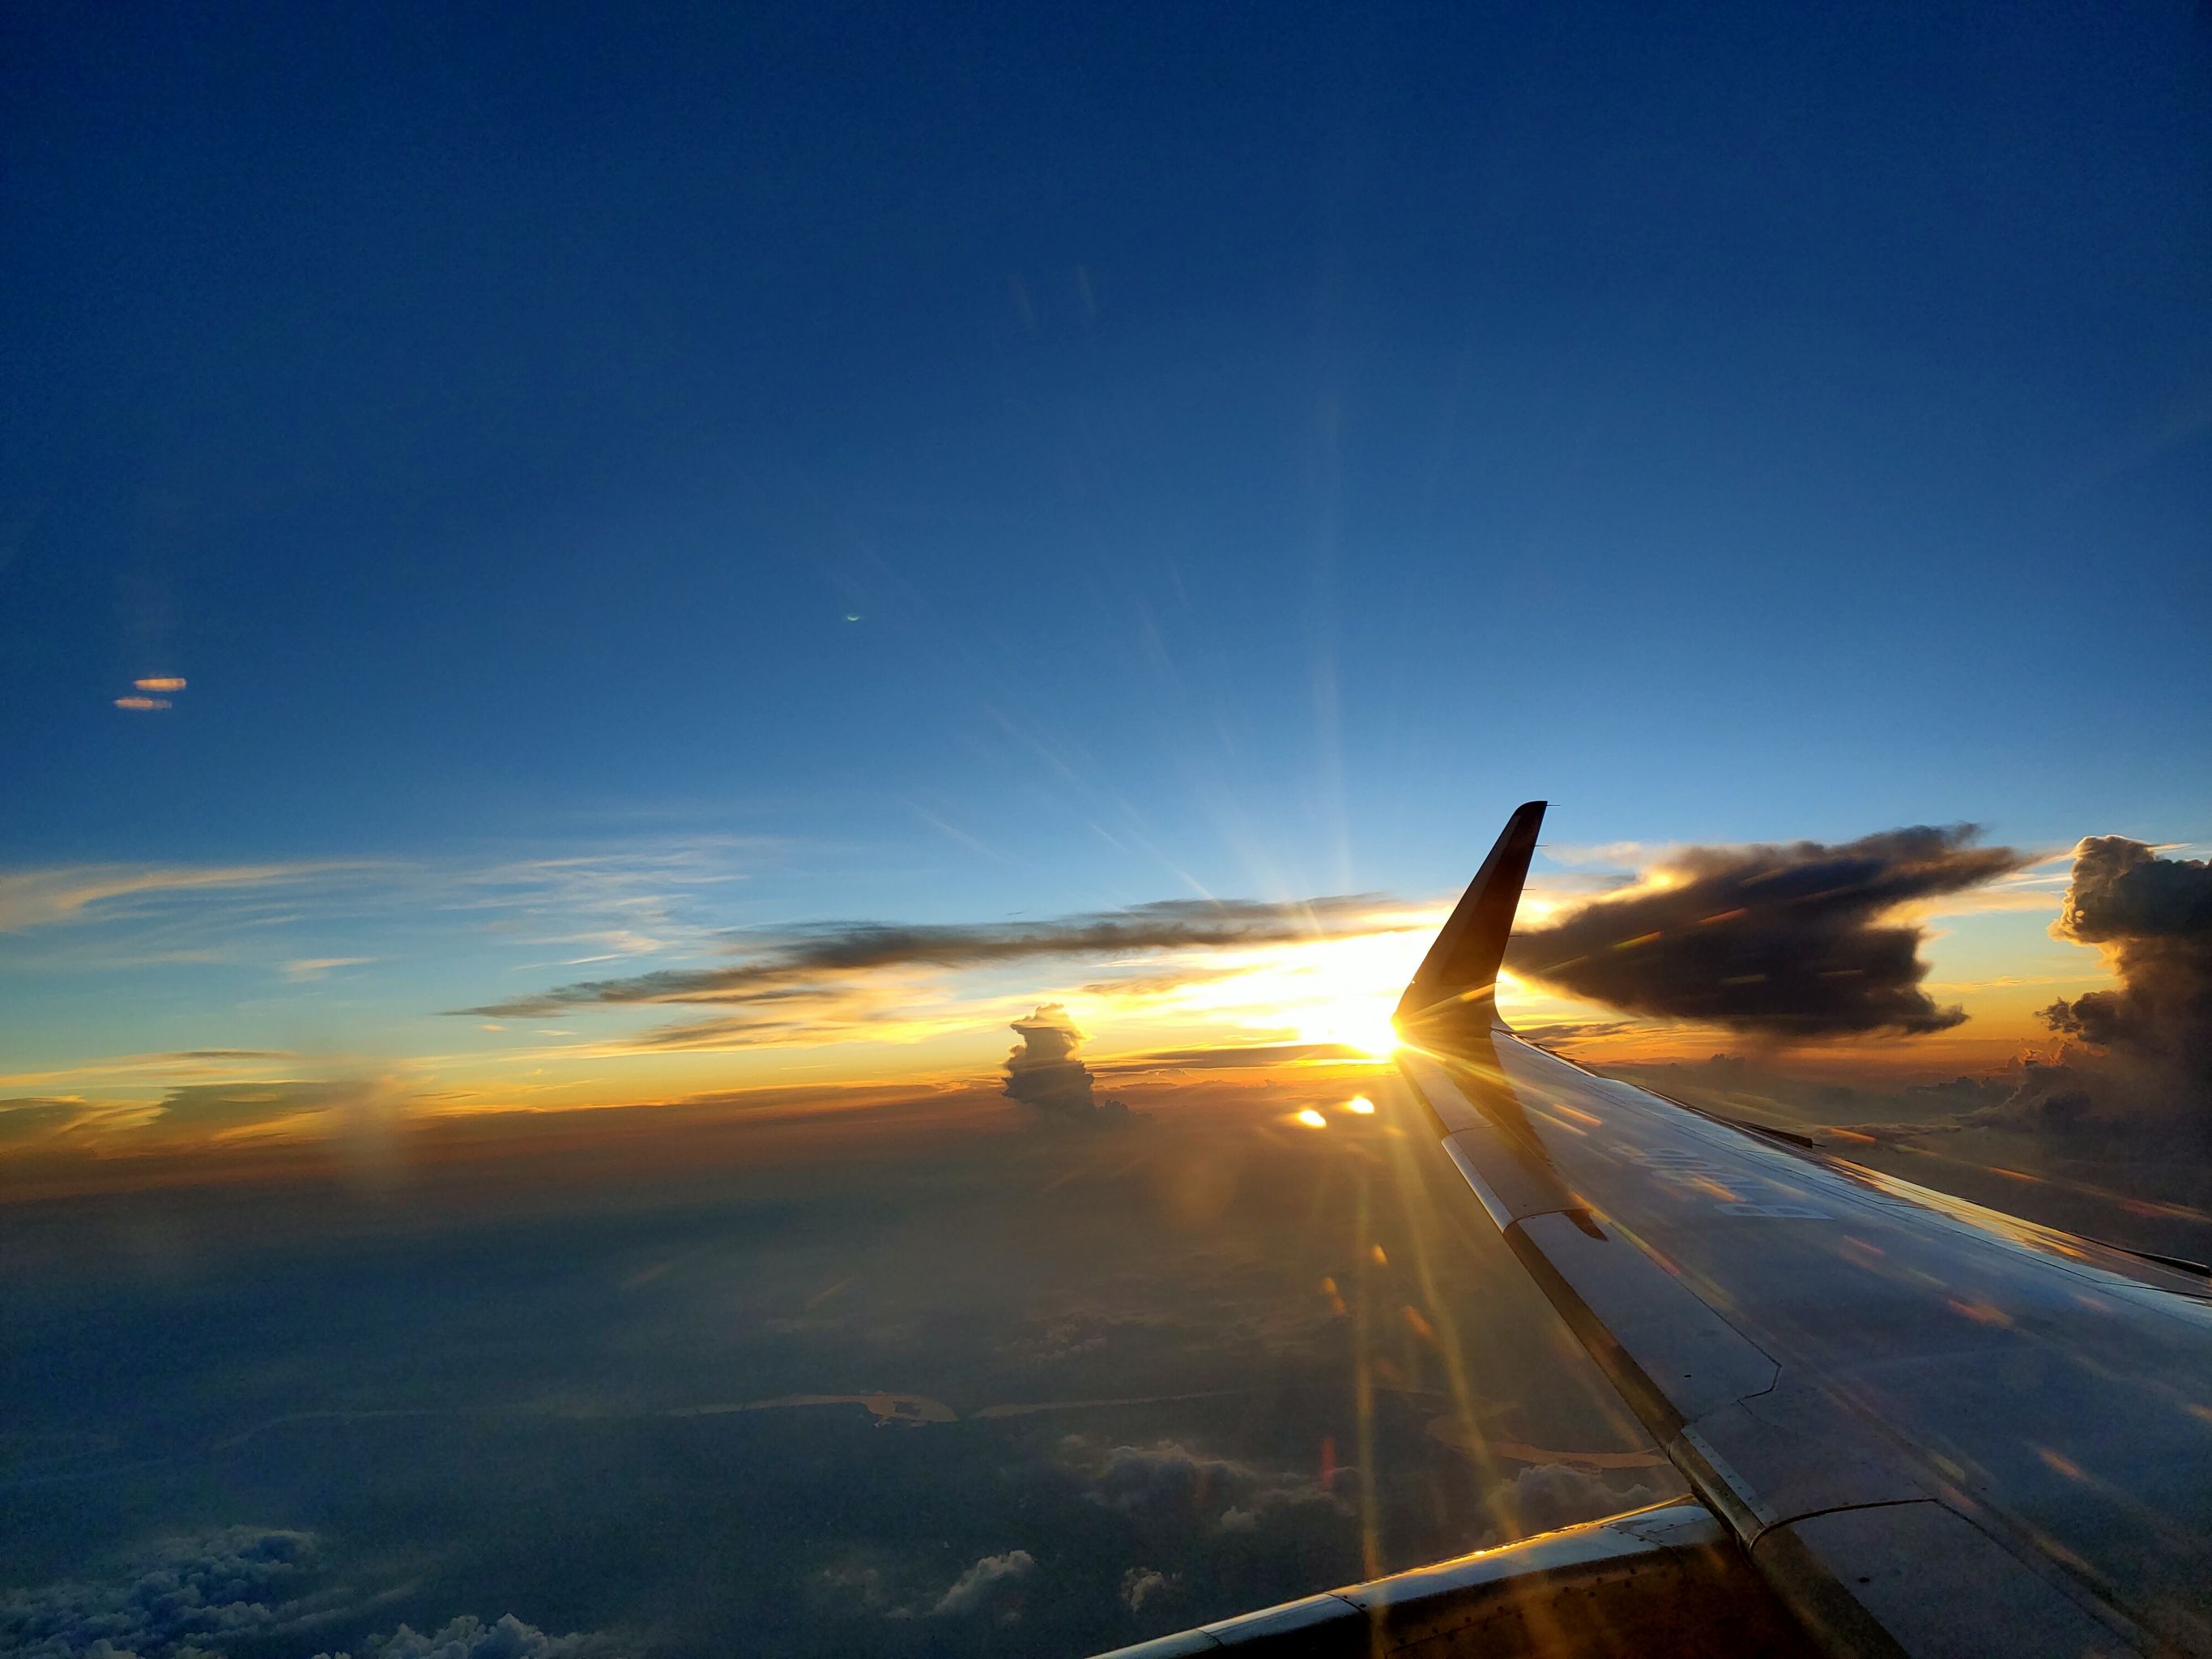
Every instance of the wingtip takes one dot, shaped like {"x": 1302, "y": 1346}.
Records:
{"x": 1460, "y": 969}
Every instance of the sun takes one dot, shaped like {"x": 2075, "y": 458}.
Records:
{"x": 1356, "y": 1021}
{"x": 1344, "y": 992}
{"x": 1335, "y": 991}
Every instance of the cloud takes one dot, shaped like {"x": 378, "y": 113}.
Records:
{"x": 1165, "y": 1479}
{"x": 36, "y": 898}
{"x": 198, "y": 1113}
{"x": 1545, "y": 1497}
{"x": 32, "y": 1118}
{"x": 303, "y": 969}
{"x": 1140, "y": 1585}
{"x": 182, "y": 1597}
{"x": 985, "y": 1583}
{"x": 1794, "y": 941}
{"x": 1043, "y": 1071}
{"x": 1232, "y": 1057}
{"x": 2152, "y": 917}
{"x": 789, "y": 962}
{"x": 2138, "y": 1061}
{"x": 161, "y": 682}
{"x": 2147, "y": 1068}
{"x": 470, "y": 1637}
{"x": 197, "y": 1596}
{"x": 142, "y": 703}
{"x": 200, "y": 1109}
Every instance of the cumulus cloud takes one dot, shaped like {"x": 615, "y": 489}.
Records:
{"x": 1144, "y": 1585}
{"x": 470, "y": 1637}
{"x": 1044, "y": 1072}
{"x": 2139, "y": 1056}
{"x": 1545, "y": 1497}
{"x": 1797, "y": 941}
{"x": 195, "y": 1596}
{"x": 2138, "y": 1060}
{"x": 800, "y": 960}
{"x": 1165, "y": 1478}
{"x": 983, "y": 1585}
{"x": 2152, "y": 916}
{"x": 184, "y": 1597}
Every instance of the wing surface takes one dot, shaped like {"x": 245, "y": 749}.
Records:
{"x": 1935, "y": 1429}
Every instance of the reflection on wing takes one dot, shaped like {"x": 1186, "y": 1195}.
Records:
{"x": 1929, "y": 1428}
{"x": 1659, "y": 1582}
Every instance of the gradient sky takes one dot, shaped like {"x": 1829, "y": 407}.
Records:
{"x": 614, "y": 480}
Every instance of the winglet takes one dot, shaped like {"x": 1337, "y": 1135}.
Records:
{"x": 1458, "y": 978}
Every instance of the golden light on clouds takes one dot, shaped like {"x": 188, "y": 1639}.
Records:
{"x": 1310, "y": 1118}
{"x": 161, "y": 682}
{"x": 1340, "y": 991}
{"x": 142, "y": 702}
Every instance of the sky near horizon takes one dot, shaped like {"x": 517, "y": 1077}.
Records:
{"x": 610, "y": 496}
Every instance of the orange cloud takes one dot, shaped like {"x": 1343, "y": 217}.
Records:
{"x": 142, "y": 702}
{"x": 161, "y": 682}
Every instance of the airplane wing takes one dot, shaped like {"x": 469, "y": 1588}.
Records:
{"x": 1926, "y": 1427}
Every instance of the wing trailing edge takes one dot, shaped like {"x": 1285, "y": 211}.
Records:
{"x": 1657, "y": 1583}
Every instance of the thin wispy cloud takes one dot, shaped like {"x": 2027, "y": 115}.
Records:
{"x": 106, "y": 892}
{"x": 304, "y": 969}
{"x": 609, "y": 905}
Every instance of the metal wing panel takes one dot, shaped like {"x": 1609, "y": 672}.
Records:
{"x": 1666, "y": 1583}
{"x": 1815, "y": 1337}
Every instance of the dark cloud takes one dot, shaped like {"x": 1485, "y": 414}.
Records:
{"x": 983, "y": 1585}
{"x": 197, "y": 1596}
{"x": 2152, "y": 916}
{"x": 1043, "y": 1071}
{"x": 470, "y": 1637}
{"x": 770, "y": 965}
{"x": 2137, "y": 1069}
{"x": 1561, "y": 1035}
{"x": 1797, "y": 941}
{"x": 184, "y": 1597}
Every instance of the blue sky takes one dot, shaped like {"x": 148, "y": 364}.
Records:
{"x": 1259, "y": 445}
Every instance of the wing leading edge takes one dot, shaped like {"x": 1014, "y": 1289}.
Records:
{"x": 1933, "y": 1429}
